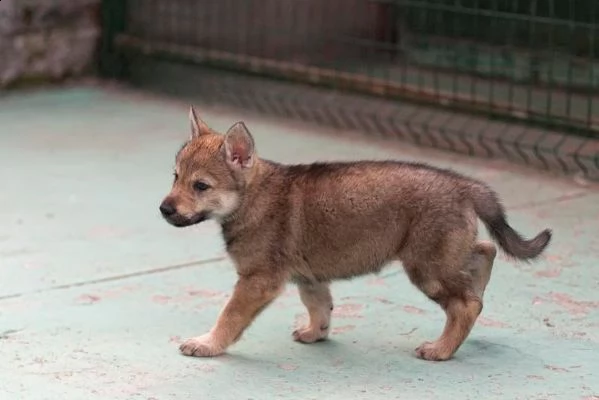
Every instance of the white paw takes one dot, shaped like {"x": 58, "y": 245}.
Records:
{"x": 433, "y": 351}
{"x": 201, "y": 346}
{"x": 310, "y": 334}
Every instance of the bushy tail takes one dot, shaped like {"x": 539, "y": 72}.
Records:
{"x": 491, "y": 212}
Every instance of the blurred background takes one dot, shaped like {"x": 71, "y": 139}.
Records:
{"x": 516, "y": 79}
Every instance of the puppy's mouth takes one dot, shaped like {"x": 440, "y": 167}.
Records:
{"x": 180, "y": 221}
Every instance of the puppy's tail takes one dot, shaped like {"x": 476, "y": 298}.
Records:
{"x": 490, "y": 210}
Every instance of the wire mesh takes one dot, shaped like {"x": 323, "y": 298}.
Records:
{"x": 529, "y": 61}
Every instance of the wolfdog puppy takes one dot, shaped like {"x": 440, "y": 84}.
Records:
{"x": 316, "y": 223}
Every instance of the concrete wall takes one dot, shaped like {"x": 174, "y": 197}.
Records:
{"x": 47, "y": 39}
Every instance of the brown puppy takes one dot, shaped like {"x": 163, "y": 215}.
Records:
{"x": 312, "y": 224}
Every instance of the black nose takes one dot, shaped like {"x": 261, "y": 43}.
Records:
{"x": 167, "y": 209}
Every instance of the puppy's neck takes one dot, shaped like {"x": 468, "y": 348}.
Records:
{"x": 257, "y": 183}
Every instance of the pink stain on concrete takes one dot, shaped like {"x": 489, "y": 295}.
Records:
{"x": 161, "y": 299}
{"x": 376, "y": 282}
{"x": 342, "y": 329}
{"x": 593, "y": 397}
{"x": 554, "y": 258}
{"x": 105, "y": 294}
{"x": 288, "y": 367}
{"x": 338, "y": 362}
{"x": 175, "y": 339}
{"x": 537, "y": 300}
{"x": 555, "y": 368}
{"x": 348, "y": 311}
{"x": 33, "y": 265}
{"x": 205, "y": 368}
{"x": 491, "y": 323}
{"x": 204, "y": 293}
{"x": 191, "y": 295}
{"x": 549, "y": 273}
{"x": 118, "y": 291}
{"x": 574, "y": 307}
{"x": 535, "y": 377}
{"x": 413, "y": 310}
{"x": 88, "y": 299}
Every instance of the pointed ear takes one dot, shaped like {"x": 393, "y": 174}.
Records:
{"x": 198, "y": 127}
{"x": 239, "y": 146}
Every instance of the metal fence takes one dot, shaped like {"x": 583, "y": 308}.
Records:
{"x": 534, "y": 62}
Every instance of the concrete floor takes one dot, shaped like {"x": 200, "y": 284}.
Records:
{"x": 96, "y": 291}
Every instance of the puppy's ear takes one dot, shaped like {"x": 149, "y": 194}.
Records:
{"x": 198, "y": 127}
{"x": 239, "y": 146}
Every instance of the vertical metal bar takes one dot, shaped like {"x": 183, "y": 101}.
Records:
{"x": 534, "y": 60}
{"x": 510, "y": 47}
{"x": 438, "y": 30}
{"x": 421, "y": 24}
{"x": 163, "y": 21}
{"x": 551, "y": 61}
{"x": 474, "y": 53}
{"x": 332, "y": 42}
{"x": 404, "y": 41}
{"x": 257, "y": 35}
{"x": 370, "y": 41}
{"x": 592, "y": 58}
{"x": 111, "y": 62}
{"x": 456, "y": 34}
{"x": 246, "y": 13}
{"x": 328, "y": 43}
{"x": 569, "y": 83}
{"x": 385, "y": 19}
{"x": 492, "y": 48}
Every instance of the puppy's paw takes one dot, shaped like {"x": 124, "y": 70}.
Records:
{"x": 310, "y": 334}
{"x": 433, "y": 351}
{"x": 201, "y": 346}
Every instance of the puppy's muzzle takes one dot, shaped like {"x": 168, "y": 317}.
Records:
{"x": 167, "y": 209}
{"x": 170, "y": 214}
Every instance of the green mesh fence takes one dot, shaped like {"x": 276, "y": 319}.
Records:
{"x": 532, "y": 62}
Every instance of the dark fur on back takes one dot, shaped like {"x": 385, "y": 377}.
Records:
{"x": 453, "y": 184}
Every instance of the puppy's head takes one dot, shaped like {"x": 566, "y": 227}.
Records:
{"x": 211, "y": 171}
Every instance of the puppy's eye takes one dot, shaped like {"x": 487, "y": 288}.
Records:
{"x": 175, "y": 176}
{"x": 200, "y": 186}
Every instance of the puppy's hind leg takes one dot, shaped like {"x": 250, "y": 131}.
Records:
{"x": 459, "y": 291}
{"x": 461, "y": 312}
{"x": 319, "y": 302}
{"x": 480, "y": 266}
{"x": 447, "y": 281}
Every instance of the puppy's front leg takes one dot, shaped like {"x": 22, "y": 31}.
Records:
{"x": 251, "y": 295}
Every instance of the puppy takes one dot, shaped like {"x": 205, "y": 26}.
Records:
{"x": 313, "y": 224}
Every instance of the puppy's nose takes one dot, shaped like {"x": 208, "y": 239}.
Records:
{"x": 167, "y": 209}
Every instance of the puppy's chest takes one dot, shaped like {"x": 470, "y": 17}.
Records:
{"x": 247, "y": 250}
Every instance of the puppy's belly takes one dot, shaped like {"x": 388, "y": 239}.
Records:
{"x": 335, "y": 266}
{"x": 347, "y": 250}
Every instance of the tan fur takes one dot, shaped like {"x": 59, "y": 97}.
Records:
{"x": 313, "y": 224}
